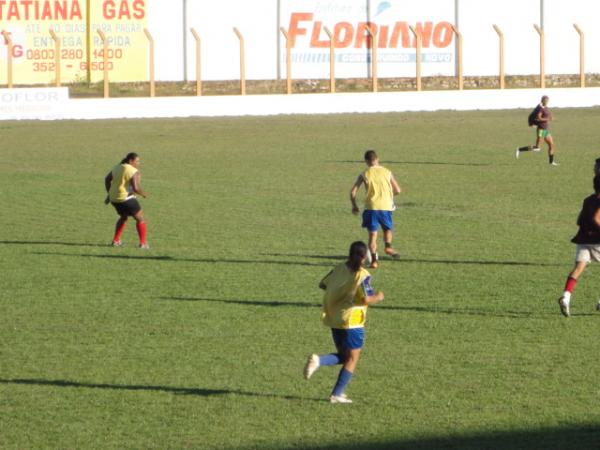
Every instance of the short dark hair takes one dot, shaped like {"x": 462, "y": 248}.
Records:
{"x": 597, "y": 184}
{"x": 129, "y": 157}
{"x": 598, "y": 162}
{"x": 370, "y": 155}
{"x": 545, "y": 97}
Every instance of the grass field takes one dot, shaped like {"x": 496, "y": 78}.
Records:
{"x": 200, "y": 342}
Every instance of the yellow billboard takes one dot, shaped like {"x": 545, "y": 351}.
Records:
{"x": 28, "y": 24}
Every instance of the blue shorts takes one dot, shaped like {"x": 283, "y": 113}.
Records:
{"x": 373, "y": 218}
{"x": 350, "y": 339}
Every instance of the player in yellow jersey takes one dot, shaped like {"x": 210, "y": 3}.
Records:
{"x": 381, "y": 189}
{"x": 348, "y": 294}
{"x": 122, "y": 184}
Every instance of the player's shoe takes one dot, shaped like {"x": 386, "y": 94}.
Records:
{"x": 517, "y": 153}
{"x": 598, "y": 306}
{"x": 144, "y": 246}
{"x": 535, "y": 149}
{"x": 374, "y": 264}
{"x": 339, "y": 399}
{"x": 391, "y": 252}
{"x": 553, "y": 163}
{"x": 564, "y": 306}
{"x": 312, "y": 364}
{"x": 116, "y": 244}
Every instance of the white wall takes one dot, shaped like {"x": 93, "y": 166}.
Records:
{"x": 257, "y": 20}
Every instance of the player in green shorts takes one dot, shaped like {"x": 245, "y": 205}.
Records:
{"x": 542, "y": 118}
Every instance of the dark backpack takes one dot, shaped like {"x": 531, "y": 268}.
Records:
{"x": 532, "y": 119}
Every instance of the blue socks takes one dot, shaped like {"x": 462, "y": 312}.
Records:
{"x": 331, "y": 359}
{"x": 343, "y": 379}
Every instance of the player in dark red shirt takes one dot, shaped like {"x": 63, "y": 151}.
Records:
{"x": 588, "y": 243}
{"x": 542, "y": 118}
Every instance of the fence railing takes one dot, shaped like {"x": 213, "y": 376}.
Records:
{"x": 372, "y": 45}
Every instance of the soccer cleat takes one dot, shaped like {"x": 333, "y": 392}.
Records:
{"x": 564, "y": 306}
{"x": 374, "y": 264}
{"x": 391, "y": 252}
{"x": 535, "y": 149}
{"x": 144, "y": 246}
{"x": 116, "y": 244}
{"x": 517, "y": 153}
{"x": 312, "y": 364}
{"x": 554, "y": 163}
{"x": 339, "y": 399}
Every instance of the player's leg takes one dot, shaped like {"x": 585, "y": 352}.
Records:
{"x": 582, "y": 258}
{"x": 119, "y": 228}
{"x": 388, "y": 225}
{"x": 315, "y": 361}
{"x": 371, "y": 223}
{"x": 373, "y": 249}
{"x": 351, "y": 349}
{"x": 527, "y": 148}
{"x": 551, "y": 148}
{"x": 141, "y": 228}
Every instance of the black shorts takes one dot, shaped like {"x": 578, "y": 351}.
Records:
{"x": 128, "y": 208}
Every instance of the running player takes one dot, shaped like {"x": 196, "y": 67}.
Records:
{"x": 588, "y": 244}
{"x": 348, "y": 294}
{"x": 122, "y": 184}
{"x": 381, "y": 188}
{"x": 542, "y": 119}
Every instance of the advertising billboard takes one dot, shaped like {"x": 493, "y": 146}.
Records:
{"x": 29, "y": 22}
{"x": 350, "y": 23}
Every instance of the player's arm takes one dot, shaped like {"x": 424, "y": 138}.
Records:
{"x": 370, "y": 296}
{"x": 323, "y": 282}
{"x": 135, "y": 184}
{"x": 597, "y": 218}
{"x": 375, "y": 298}
{"x": 107, "y": 182}
{"x": 539, "y": 118}
{"x": 354, "y": 191}
{"x": 395, "y": 186}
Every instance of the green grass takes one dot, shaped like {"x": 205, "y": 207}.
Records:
{"x": 200, "y": 342}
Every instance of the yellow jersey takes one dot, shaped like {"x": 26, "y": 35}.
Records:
{"x": 120, "y": 187}
{"x": 380, "y": 195}
{"x": 343, "y": 302}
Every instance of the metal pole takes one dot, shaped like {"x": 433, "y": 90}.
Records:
{"x": 185, "y": 40}
{"x": 456, "y": 43}
{"x": 278, "y": 40}
{"x": 88, "y": 42}
{"x": 368, "y": 11}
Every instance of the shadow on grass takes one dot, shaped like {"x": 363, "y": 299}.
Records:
{"x": 419, "y": 309}
{"x": 66, "y": 244}
{"x": 568, "y": 437}
{"x": 333, "y": 258}
{"x": 150, "y": 257}
{"x": 385, "y": 260}
{"x": 418, "y": 163}
{"x": 135, "y": 387}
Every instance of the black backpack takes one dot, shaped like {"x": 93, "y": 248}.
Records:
{"x": 532, "y": 119}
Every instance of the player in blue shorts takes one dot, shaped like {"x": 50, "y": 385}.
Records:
{"x": 348, "y": 294}
{"x": 381, "y": 187}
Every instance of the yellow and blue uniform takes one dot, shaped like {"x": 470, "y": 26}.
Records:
{"x": 380, "y": 196}
{"x": 120, "y": 187}
{"x": 379, "y": 202}
{"x": 344, "y": 308}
